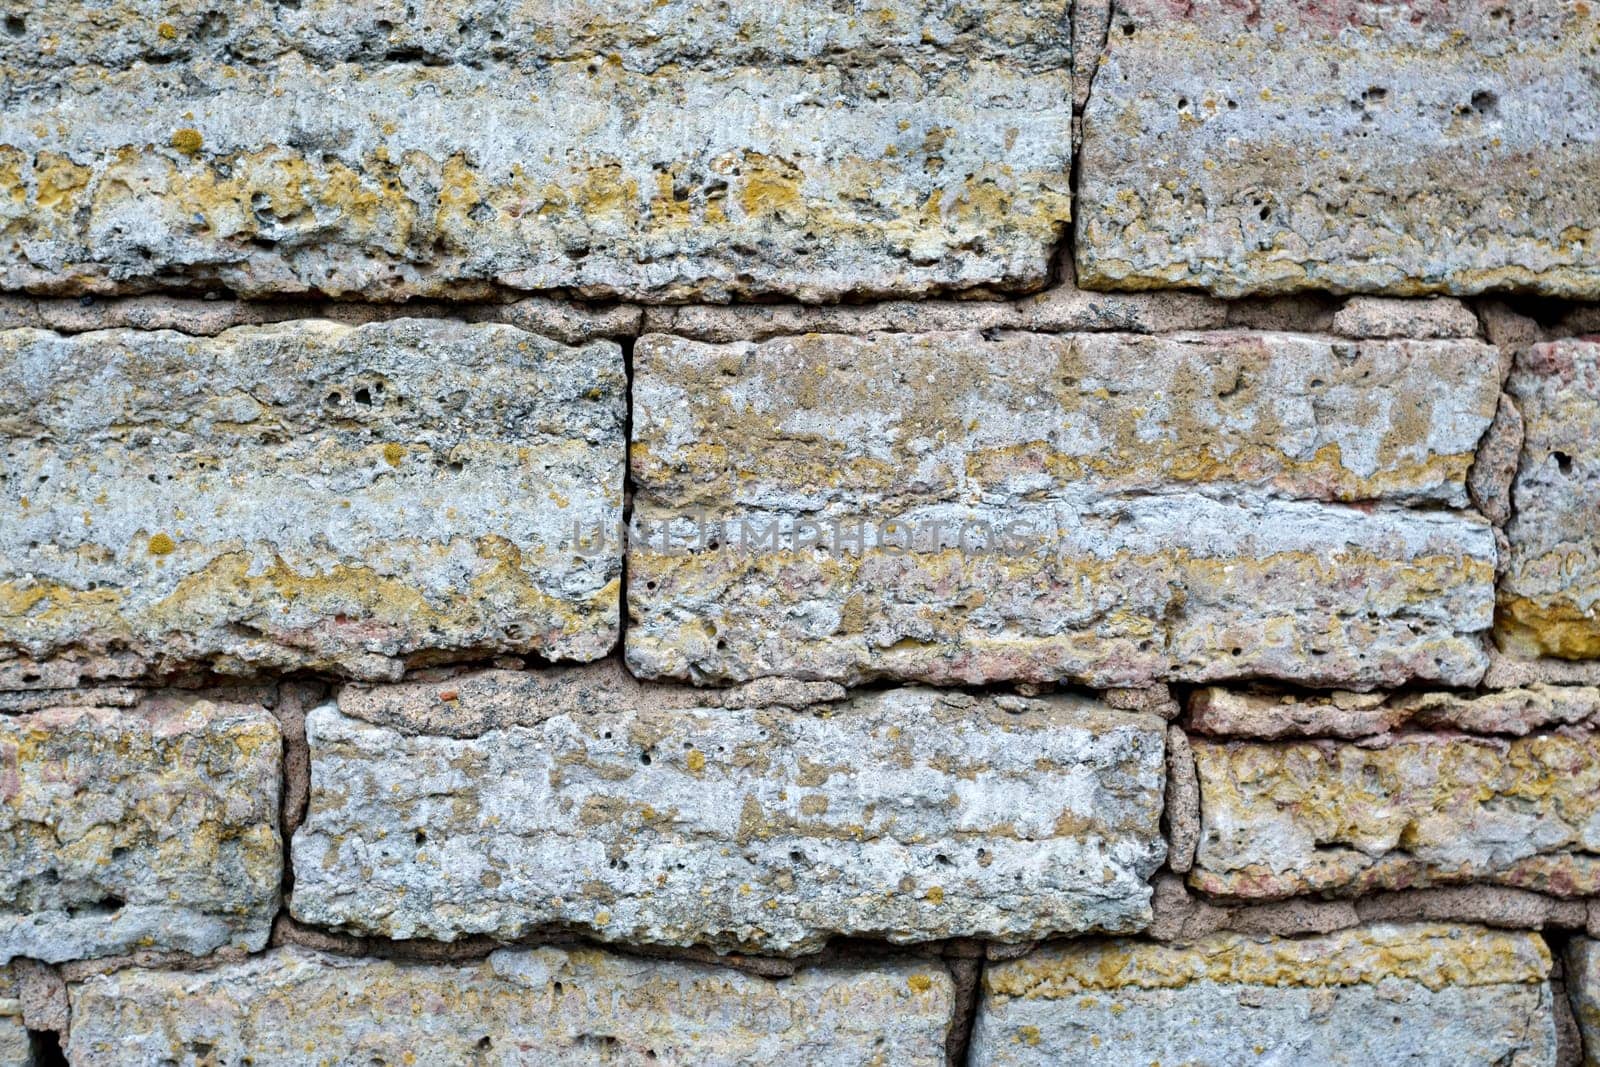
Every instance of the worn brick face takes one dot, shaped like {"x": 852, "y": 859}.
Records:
{"x": 1403, "y": 148}
{"x": 1176, "y": 502}
{"x": 1421, "y": 809}
{"x": 655, "y": 151}
{"x": 1550, "y": 597}
{"x": 1379, "y": 994}
{"x": 908, "y": 814}
{"x": 305, "y": 495}
{"x": 152, "y": 827}
{"x": 564, "y": 1007}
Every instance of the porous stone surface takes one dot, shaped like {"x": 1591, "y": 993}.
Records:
{"x": 1550, "y": 596}
{"x": 1377, "y": 316}
{"x": 1116, "y": 510}
{"x": 304, "y": 495}
{"x": 909, "y": 814}
{"x": 16, "y": 1049}
{"x": 1403, "y": 148}
{"x": 544, "y": 1005}
{"x": 1422, "y": 809}
{"x": 1264, "y": 716}
{"x": 1412, "y": 994}
{"x": 154, "y": 827}
{"x": 672, "y": 151}
{"x": 1582, "y": 960}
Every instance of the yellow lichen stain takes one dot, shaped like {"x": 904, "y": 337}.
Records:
{"x": 1435, "y": 956}
{"x": 1546, "y": 627}
{"x": 934, "y": 895}
{"x": 188, "y": 141}
{"x": 162, "y": 545}
{"x": 167, "y": 31}
{"x": 393, "y": 453}
{"x": 919, "y": 983}
{"x": 696, "y": 761}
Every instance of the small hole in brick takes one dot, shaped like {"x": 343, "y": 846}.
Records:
{"x": 1563, "y": 462}
{"x": 45, "y": 1047}
{"x": 16, "y": 25}
{"x": 363, "y": 395}
{"x": 420, "y": 837}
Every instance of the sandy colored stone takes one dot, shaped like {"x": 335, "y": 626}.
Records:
{"x": 1266, "y": 716}
{"x": 1422, "y": 994}
{"x": 642, "y": 35}
{"x": 560, "y": 1007}
{"x": 1061, "y": 308}
{"x": 1183, "y": 802}
{"x": 1421, "y": 810}
{"x": 154, "y": 827}
{"x": 42, "y": 993}
{"x": 1583, "y": 991}
{"x": 1402, "y": 148}
{"x": 569, "y": 323}
{"x": 1550, "y": 595}
{"x": 1378, "y": 316}
{"x": 1495, "y": 469}
{"x": 669, "y": 152}
{"x": 908, "y": 815}
{"x": 1507, "y": 672}
{"x": 1108, "y": 509}
{"x": 16, "y": 1048}
{"x": 305, "y": 495}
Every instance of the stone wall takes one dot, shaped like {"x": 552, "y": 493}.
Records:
{"x": 914, "y": 532}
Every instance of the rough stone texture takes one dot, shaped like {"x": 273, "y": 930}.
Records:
{"x": 1495, "y": 469}
{"x": 1403, "y": 148}
{"x": 1423, "y": 809}
{"x": 558, "y": 320}
{"x": 1583, "y": 990}
{"x": 1506, "y": 673}
{"x": 908, "y": 815}
{"x": 1377, "y": 316}
{"x": 1063, "y": 307}
{"x": 304, "y": 495}
{"x": 558, "y": 1007}
{"x": 1183, "y": 802}
{"x": 1150, "y": 482}
{"x": 155, "y": 827}
{"x": 42, "y": 993}
{"x": 1265, "y": 716}
{"x": 16, "y": 1049}
{"x": 1380, "y": 995}
{"x": 1550, "y": 596}
{"x": 642, "y": 35}
{"x": 671, "y": 151}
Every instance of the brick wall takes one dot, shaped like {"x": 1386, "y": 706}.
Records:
{"x": 912, "y": 532}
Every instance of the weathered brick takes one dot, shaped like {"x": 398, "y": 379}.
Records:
{"x": 304, "y": 495}
{"x": 1422, "y": 994}
{"x": 150, "y": 827}
{"x": 1264, "y": 716}
{"x": 907, "y": 814}
{"x": 661, "y": 151}
{"x": 1419, "y": 810}
{"x": 16, "y": 1049}
{"x": 1583, "y": 988}
{"x": 1169, "y": 493}
{"x": 642, "y": 34}
{"x": 1550, "y": 594}
{"x": 518, "y": 1006}
{"x": 1402, "y": 148}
